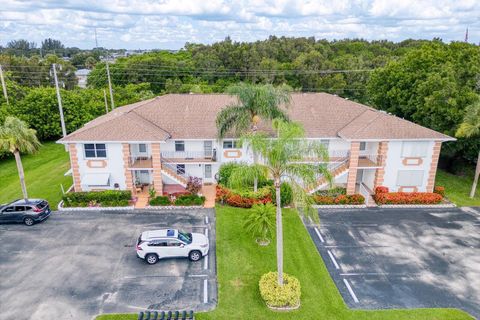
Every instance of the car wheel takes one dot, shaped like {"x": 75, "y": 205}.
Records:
{"x": 28, "y": 221}
{"x": 151, "y": 258}
{"x": 194, "y": 255}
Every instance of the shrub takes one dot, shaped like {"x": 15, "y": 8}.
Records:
{"x": 381, "y": 189}
{"x": 260, "y": 221}
{"x": 225, "y": 171}
{"x": 440, "y": 190}
{"x": 83, "y": 199}
{"x": 354, "y": 199}
{"x": 408, "y": 198}
{"x": 286, "y": 194}
{"x": 243, "y": 198}
{"x": 333, "y": 192}
{"x": 274, "y": 295}
{"x": 160, "y": 201}
{"x": 194, "y": 185}
{"x": 189, "y": 200}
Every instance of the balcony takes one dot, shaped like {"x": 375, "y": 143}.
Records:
{"x": 190, "y": 156}
{"x": 370, "y": 161}
{"x": 140, "y": 162}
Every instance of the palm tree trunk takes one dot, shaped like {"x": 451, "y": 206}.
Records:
{"x": 255, "y": 180}
{"x": 475, "y": 179}
{"x": 279, "y": 233}
{"x": 21, "y": 175}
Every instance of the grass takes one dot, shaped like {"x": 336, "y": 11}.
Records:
{"x": 44, "y": 172}
{"x": 241, "y": 262}
{"x": 457, "y": 188}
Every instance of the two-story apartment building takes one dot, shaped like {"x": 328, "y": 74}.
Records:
{"x": 161, "y": 141}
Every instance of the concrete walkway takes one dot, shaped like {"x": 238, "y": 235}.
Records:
{"x": 209, "y": 191}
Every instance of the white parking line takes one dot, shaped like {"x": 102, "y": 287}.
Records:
{"x": 205, "y": 263}
{"x": 205, "y": 291}
{"x": 347, "y": 284}
{"x": 333, "y": 260}
{"x": 319, "y": 235}
{"x": 206, "y": 233}
{"x": 206, "y": 219}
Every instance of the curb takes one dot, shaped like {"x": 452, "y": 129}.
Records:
{"x": 61, "y": 208}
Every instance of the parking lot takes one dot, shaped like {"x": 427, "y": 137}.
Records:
{"x": 80, "y": 264}
{"x": 402, "y": 258}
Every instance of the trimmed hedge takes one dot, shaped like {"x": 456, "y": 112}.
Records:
{"x": 190, "y": 200}
{"x": 383, "y": 196}
{"x": 333, "y": 192}
{"x": 160, "y": 201}
{"x": 277, "y": 296}
{"x": 354, "y": 199}
{"x": 107, "y": 198}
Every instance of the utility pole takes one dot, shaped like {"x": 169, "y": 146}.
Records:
{"x": 110, "y": 85}
{"x": 59, "y": 98}
{"x": 4, "y": 87}
{"x": 105, "y": 99}
{"x": 96, "y": 41}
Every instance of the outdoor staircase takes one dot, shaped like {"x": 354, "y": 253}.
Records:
{"x": 336, "y": 169}
{"x": 170, "y": 170}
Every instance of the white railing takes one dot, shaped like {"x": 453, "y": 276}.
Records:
{"x": 173, "y": 167}
{"x": 188, "y": 155}
{"x": 365, "y": 193}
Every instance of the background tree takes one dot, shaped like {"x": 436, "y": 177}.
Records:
{"x": 254, "y": 103}
{"x": 16, "y": 137}
{"x": 470, "y": 128}
{"x": 52, "y": 46}
{"x": 283, "y": 159}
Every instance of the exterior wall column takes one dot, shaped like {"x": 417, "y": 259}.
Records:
{"x": 126, "y": 164}
{"x": 72, "y": 148}
{"x": 157, "y": 168}
{"x": 353, "y": 165}
{"x": 433, "y": 166}
{"x": 382, "y": 161}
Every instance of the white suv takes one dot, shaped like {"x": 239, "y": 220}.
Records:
{"x": 168, "y": 243}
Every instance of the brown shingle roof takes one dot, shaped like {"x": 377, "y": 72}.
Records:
{"x": 192, "y": 116}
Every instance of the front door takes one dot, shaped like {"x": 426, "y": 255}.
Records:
{"x": 207, "y": 173}
{"x": 207, "y": 148}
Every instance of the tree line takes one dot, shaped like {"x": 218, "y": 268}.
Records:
{"x": 428, "y": 82}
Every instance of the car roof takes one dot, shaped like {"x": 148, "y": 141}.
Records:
{"x": 28, "y": 201}
{"x": 162, "y": 233}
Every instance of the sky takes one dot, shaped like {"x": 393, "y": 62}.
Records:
{"x": 169, "y": 24}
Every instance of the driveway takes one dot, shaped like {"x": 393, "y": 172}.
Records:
{"x": 402, "y": 258}
{"x": 78, "y": 265}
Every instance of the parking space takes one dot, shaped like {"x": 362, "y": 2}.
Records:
{"x": 402, "y": 258}
{"x": 77, "y": 265}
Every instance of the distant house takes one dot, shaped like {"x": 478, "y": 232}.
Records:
{"x": 81, "y": 75}
{"x": 161, "y": 141}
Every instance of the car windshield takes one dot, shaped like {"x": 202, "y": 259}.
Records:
{"x": 185, "y": 237}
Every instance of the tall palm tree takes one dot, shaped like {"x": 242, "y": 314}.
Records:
{"x": 469, "y": 128}
{"x": 283, "y": 157}
{"x": 254, "y": 103}
{"x": 16, "y": 137}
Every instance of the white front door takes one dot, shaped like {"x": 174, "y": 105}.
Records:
{"x": 207, "y": 173}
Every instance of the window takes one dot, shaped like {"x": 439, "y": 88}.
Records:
{"x": 9, "y": 209}
{"x": 158, "y": 243}
{"x": 363, "y": 146}
{"x": 19, "y": 208}
{"x": 410, "y": 178}
{"x": 174, "y": 243}
{"x": 179, "y": 146}
{"x": 415, "y": 149}
{"x": 97, "y": 150}
{"x": 230, "y": 144}
{"x": 180, "y": 169}
{"x": 142, "y": 147}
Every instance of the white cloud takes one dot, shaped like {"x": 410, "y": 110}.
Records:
{"x": 171, "y": 23}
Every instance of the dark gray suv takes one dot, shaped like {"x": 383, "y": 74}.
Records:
{"x": 25, "y": 211}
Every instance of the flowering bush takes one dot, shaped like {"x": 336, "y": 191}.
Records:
{"x": 278, "y": 296}
{"x": 440, "y": 190}
{"x": 194, "y": 185}
{"x": 381, "y": 189}
{"x": 408, "y": 198}
{"x": 353, "y": 199}
{"x": 243, "y": 199}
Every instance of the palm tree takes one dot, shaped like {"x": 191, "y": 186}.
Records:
{"x": 469, "y": 128}
{"x": 261, "y": 221}
{"x": 284, "y": 160}
{"x": 254, "y": 103}
{"x": 16, "y": 137}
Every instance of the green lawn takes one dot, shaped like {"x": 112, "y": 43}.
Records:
{"x": 43, "y": 174}
{"x": 457, "y": 188}
{"x": 241, "y": 263}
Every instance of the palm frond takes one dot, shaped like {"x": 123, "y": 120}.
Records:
{"x": 15, "y": 135}
{"x": 470, "y": 126}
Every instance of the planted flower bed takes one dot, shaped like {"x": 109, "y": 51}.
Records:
{"x": 383, "y": 196}
{"x": 107, "y": 198}
{"x": 337, "y": 196}
{"x": 243, "y": 199}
